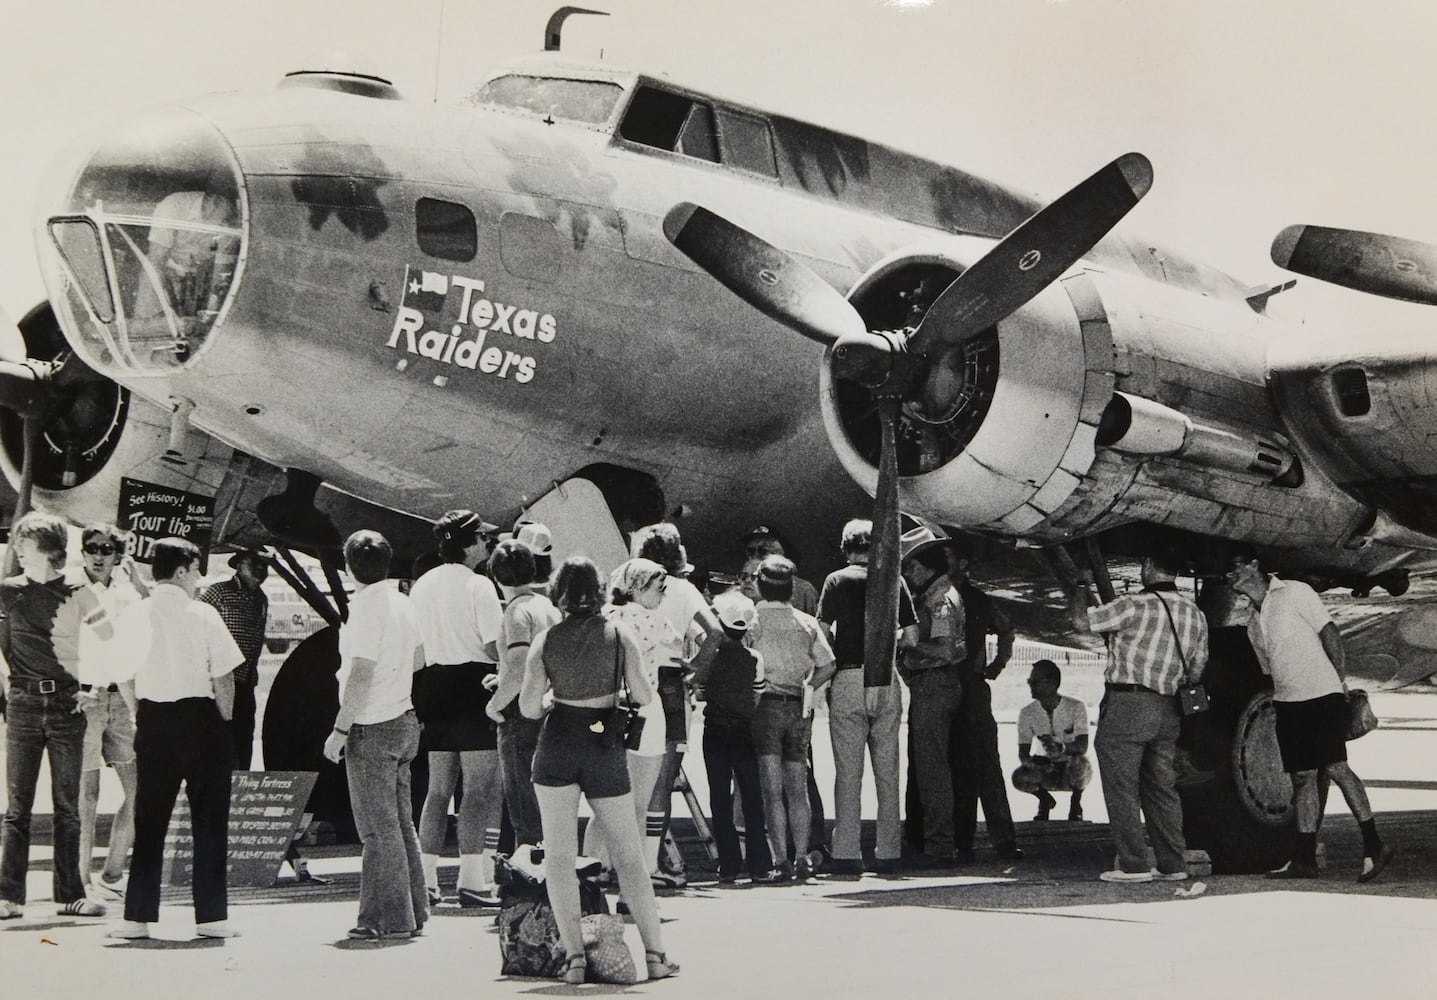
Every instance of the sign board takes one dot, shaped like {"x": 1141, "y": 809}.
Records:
{"x": 150, "y": 512}
{"x": 265, "y": 809}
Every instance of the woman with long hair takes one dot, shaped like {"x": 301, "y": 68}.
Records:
{"x": 586, "y": 660}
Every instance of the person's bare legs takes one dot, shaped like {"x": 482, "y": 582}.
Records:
{"x": 89, "y": 806}
{"x": 434, "y": 817}
{"x": 559, "y": 817}
{"x": 621, "y": 833}
{"x": 479, "y": 812}
{"x": 122, "y": 830}
{"x": 795, "y": 793}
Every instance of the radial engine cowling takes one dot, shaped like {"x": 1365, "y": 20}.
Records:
{"x": 1030, "y": 391}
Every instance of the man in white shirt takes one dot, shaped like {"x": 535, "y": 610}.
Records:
{"x": 377, "y": 734}
{"x": 1060, "y": 725}
{"x": 109, "y": 712}
{"x": 1298, "y": 644}
{"x": 182, "y": 659}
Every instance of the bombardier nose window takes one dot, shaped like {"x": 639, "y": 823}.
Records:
{"x": 148, "y": 251}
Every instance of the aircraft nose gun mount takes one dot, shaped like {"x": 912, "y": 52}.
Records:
{"x": 1137, "y": 426}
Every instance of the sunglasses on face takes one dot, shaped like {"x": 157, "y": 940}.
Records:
{"x": 99, "y": 550}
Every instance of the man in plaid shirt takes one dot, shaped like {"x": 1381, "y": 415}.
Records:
{"x": 244, "y": 608}
{"x": 1157, "y": 642}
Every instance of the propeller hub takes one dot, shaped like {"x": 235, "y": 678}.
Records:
{"x": 876, "y": 359}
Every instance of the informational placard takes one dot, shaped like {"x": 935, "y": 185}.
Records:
{"x": 265, "y": 808}
{"x": 150, "y": 512}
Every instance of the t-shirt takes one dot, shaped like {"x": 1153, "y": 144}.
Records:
{"x": 526, "y": 616}
{"x": 792, "y": 645}
{"x": 734, "y": 678}
{"x": 682, "y": 600}
{"x": 659, "y": 644}
{"x": 40, "y": 629}
{"x": 841, "y": 605}
{"x": 941, "y": 620}
{"x": 1285, "y": 635}
{"x": 458, "y": 612}
{"x": 1068, "y": 721}
{"x": 173, "y": 646}
{"x": 96, "y": 653}
{"x": 381, "y": 627}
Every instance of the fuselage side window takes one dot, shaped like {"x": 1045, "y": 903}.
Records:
{"x": 746, "y": 143}
{"x": 671, "y": 121}
{"x": 446, "y": 230}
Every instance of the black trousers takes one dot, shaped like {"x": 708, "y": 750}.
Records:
{"x": 730, "y": 762}
{"x": 176, "y": 741}
{"x": 977, "y": 771}
{"x": 241, "y": 725}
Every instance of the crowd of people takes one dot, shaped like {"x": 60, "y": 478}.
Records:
{"x": 525, "y": 685}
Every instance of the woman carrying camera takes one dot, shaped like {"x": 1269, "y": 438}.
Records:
{"x": 586, "y": 660}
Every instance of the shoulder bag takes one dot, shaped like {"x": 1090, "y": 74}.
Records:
{"x": 625, "y": 719}
{"x": 1192, "y": 696}
{"x": 1361, "y": 720}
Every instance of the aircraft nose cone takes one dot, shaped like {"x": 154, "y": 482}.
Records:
{"x": 142, "y": 242}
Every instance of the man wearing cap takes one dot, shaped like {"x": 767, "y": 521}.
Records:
{"x": 1158, "y": 636}
{"x": 865, "y": 708}
{"x": 732, "y": 679}
{"x": 797, "y": 659}
{"x": 930, "y": 666}
{"x": 762, "y": 542}
{"x": 244, "y": 608}
{"x": 109, "y": 714}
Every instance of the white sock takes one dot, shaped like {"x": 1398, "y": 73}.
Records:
{"x": 430, "y": 864}
{"x": 653, "y": 839}
{"x": 472, "y": 873}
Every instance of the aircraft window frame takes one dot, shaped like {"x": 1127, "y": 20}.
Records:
{"x": 454, "y": 237}
{"x": 663, "y": 119}
{"x": 552, "y": 102}
{"x": 103, "y": 312}
{"x": 764, "y": 163}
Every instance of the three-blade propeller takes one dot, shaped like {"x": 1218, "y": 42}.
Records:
{"x": 896, "y": 367}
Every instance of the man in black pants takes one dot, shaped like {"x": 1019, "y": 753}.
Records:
{"x": 183, "y": 660}
{"x": 977, "y": 773}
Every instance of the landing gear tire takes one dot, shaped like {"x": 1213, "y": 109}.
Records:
{"x": 1242, "y": 815}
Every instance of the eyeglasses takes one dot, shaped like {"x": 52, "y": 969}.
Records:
{"x": 99, "y": 550}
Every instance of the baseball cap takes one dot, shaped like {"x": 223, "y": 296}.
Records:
{"x": 457, "y": 524}
{"x": 535, "y": 536}
{"x": 734, "y": 610}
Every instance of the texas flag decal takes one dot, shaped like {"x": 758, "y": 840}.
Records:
{"x": 425, "y": 290}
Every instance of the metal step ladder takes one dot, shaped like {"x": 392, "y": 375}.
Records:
{"x": 672, "y": 853}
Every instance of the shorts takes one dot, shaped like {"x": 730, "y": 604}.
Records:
{"x": 450, "y": 701}
{"x": 1311, "y": 734}
{"x": 109, "y": 732}
{"x": 570, "y": 753}
{"x": 780, "y": 729}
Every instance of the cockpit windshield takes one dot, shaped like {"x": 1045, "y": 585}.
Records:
{"x": 588, "y": 101}
{"x": 147, "y": 242}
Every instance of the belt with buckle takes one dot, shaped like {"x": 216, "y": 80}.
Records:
{"x": 780, "y": 697}
{"x": 48, "y": 685}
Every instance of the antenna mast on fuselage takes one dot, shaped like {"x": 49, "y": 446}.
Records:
{"x": 555, "y": 27}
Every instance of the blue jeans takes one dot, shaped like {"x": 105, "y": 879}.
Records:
{"x": 518, "y": 739}
{"x": 40, "y": 722}
{"x": 377, "y": 756}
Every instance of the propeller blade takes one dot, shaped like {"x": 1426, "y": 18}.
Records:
{"x": 26, "y": 386}
{"x": 12, "y": 341}
{"x": 1389, "y": 266}
{"x": 762, "y": 275}
{"x": 1033, "y": 255}
{"x": 881, "y": 601}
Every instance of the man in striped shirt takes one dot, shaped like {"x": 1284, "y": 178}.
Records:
{"x": 1157, "y": 641}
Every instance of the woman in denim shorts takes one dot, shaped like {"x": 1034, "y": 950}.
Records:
{"x": 581, "y": 749}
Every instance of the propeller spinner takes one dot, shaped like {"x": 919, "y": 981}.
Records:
{"x": 903, "y": 369}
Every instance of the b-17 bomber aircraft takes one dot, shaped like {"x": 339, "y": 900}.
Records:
{"x": 599, "y": 295}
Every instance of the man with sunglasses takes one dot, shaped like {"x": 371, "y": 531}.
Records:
{"x": 244, "y": 608}
{"x": 109, "y": 712}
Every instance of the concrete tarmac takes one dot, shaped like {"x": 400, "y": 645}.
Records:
{"x": 1043, "y": 926}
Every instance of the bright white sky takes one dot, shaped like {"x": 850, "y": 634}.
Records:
{"x": 1255, "y": 113}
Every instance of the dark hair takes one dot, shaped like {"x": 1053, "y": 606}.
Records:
{"x": 170, "y": 555}
{"x": 367, "y": 554}
{"x": 456, "y": 530}
{"x": 1242, "y": 551}
{"x": 576, "y": 588}
{"x": 660, "y": 543}
{"x": 1048, "y": 669}
{"x": 106, "y": 531}
{"x": 512, "y": 564}
{"x": 1166, "y": 561}
{"x": 47, "y": 532}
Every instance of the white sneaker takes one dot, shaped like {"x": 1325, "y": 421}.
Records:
{"x": 81, "y": 908}
{"x": 1118, "y": 875}
{"x": 216, "y": 929}
{"x": 10, "y": 910}
{"x": 110, "y": 892}
{"x": 130, "y": 930}
{"x": 1169, "y": 876}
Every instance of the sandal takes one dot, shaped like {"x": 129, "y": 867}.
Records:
{"x": 659, "y": 965}
{"x": 574, "y": 970}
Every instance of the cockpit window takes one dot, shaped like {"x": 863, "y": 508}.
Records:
{"x": 588, "y": 101}
{"x": 666, "y": 120}
{"x": 148, "y": 244}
